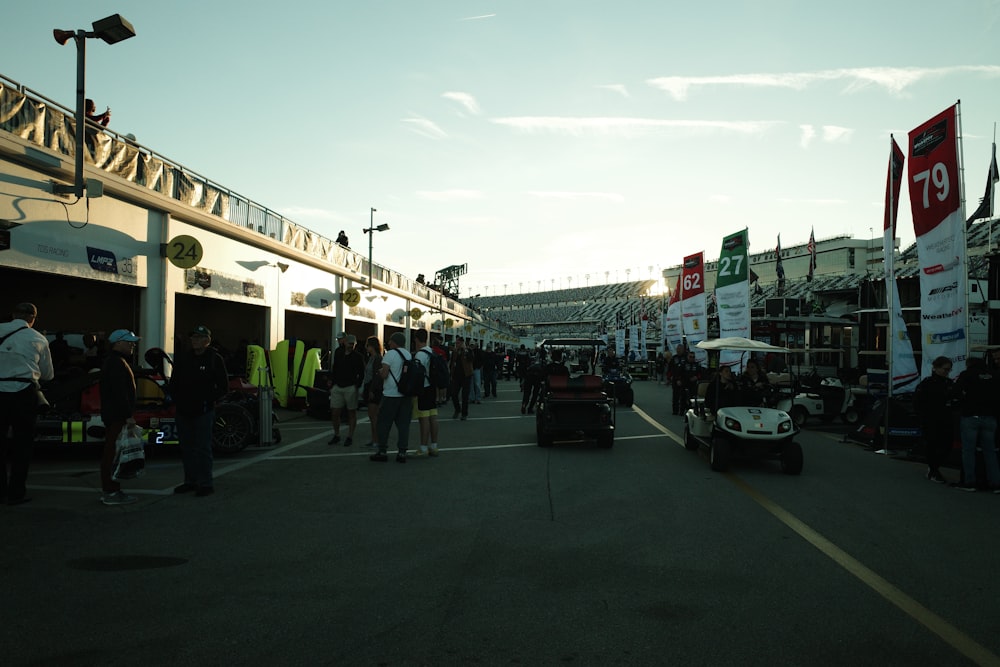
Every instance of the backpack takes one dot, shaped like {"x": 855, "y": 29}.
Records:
{"x": 437, "y": 371}
{"x": 411, "y": 379}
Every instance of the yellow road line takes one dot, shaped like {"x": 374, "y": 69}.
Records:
{"x": 951, "y": 635}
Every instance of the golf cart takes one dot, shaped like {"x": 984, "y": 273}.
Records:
{"x": 574, "y": 405}
{"x": 747, "y": 430}
{"x": 822, "y": 397}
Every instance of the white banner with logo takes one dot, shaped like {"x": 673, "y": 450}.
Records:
{"x": 939, "y": 223}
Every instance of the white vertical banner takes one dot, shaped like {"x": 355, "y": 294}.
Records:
{"x": 694, "y": 321}
{"x": 643, "y": 325}
{"x": 939, "y": 223}
{"x": 672, "y": 331}
{"x": 732, "y": 294}
{"x": 903, "y": 373}
{"x": 620, "y": 343}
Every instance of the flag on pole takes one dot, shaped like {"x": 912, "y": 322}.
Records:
{"x": 936, "y": 206}
{"x": 779, "y": 267}
{"x": 903, "y": 373}
{"x": 811, "y": 247}
{"x": 985, "y": 209}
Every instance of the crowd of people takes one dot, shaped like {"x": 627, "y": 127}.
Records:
{"x": 955, "y": 413}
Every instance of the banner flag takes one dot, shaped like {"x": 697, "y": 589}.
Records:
{"x": 732, "y": 293}
{"x": 811, "y": 248}
{"x": 938, "y": 220}
{"x": 633, "y": 342}
{"x": 902, "y": 366}
{"x": 672, "y": 331}
{"x": 694, "y": 322}
{"x": 985, "y": 209}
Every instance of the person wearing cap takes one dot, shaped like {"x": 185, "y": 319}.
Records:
{"x": 199, "y": 380}
{"x": 117, "y": 408}
{"x": 346, "y": 376}
{"x": 24, "y": 361}
{"x": 396, "y": 408}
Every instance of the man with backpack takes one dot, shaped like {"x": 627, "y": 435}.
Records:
{"x": 396, "y": 408}
{"x": 425, "y": 404}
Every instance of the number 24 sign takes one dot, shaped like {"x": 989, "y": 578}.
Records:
{"x": 184, "y": 251}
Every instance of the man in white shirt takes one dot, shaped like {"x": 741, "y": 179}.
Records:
{"x": 24, "y": 362}
{"x": 396, "y": 408}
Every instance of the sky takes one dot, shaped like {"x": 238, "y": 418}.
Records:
{"x": 542, "y": 143}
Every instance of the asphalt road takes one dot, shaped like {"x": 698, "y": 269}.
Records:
{"x": 503, "y": 553}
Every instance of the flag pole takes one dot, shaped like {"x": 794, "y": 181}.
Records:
{"x": 888, "y": 257}
{"x": 961, "y": 203}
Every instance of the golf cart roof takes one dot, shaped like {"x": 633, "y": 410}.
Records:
{"x": 740, "y": 344}
{"x": 572, "y": 342}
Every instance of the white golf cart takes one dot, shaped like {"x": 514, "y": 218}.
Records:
{"x": 747, "y": 430}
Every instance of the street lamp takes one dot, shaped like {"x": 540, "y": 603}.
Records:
{"x": 370, "y": 231}
{"x": 112, "y": 30}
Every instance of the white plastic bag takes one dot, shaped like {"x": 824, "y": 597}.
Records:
{"x": 130, "y": 456}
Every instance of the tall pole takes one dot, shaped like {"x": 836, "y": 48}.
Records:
{"x": 81, "y": 67}
{"x": 371, "y": 233}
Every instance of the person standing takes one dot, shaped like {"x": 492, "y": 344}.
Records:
{"x": 198, "y": 381}
{"x": 425, "y": 405}
{"x": 117, "y": 408}
{"x": 932, "y": 400}
{"x": 461, "y": 379}
{"x": 347, "y": 374}
{"x": 373, "y": 386}
{"x": 490, "y": 366}
{"x": 25, "y": 360}
{"x": 675, "y": 376}
{"x": 477, "y": 372}
{"x": 396, "y": 408}
{"x": 978, "y": 394}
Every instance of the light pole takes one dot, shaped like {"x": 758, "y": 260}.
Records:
{"x": 370, "y": 231}
{"x": 112, "y": 30}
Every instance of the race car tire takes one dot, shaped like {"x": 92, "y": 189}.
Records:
{"x": 606, "y": 440}
{"x": 544, "y": 439}
{"x": 791, "y": 458}
{"x": 233, "y": 429}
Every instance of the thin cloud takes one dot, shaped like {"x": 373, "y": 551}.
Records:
{"x": 315, "y": 213}
{"x": 579, "y": 126}
{"x": 425, "y": 128}
{"x": 894, "y": 80}
{"x": 833, "y": 133}
{"x": 615, "y": 88}
{"x": 808, "y": 133}
{"x": 478, "y": 18}
{"x": 830, "y": 134}
{"x": 449, "y": 195}
{"x": 554, "y": 194}
{"x": 465, "y": 99}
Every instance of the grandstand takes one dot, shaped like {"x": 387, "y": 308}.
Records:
{"x": 578, "y": 311}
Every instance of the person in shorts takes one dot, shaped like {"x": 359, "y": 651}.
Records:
{"x": 425, "y": 405}
{"x": 346, "y": 376}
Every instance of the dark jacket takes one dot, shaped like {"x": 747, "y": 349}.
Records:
{"x": 932, "y": 401}
{"x": 978, "y": 392}
{"x": 199, "y": 380}
{"x": 117, "y": 389}
{"x": 348, "y": 368}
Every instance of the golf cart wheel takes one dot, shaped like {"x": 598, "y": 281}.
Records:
{"x": 850, "y": 416}
{"x": 690, "y": 443}
{"x": 718, "y": 454}
{"x": 629, "y": 398}
{"x": 791, "y": 458}
{"x": 544, "y": 439}
{"x": 799, "y": 415}
{"x": 606, "y": 440}
{"x": 232, "y": 430}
